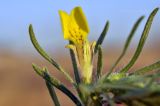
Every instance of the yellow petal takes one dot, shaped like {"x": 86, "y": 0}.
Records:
{"x": 64, "y": 23}
{"x": 74, "y": 26}
{"x": 80, "y": 18}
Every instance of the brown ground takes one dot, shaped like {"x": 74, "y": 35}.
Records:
{"x": 21, "y": 86}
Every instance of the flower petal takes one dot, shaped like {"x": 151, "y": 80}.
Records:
{"x": 64, "y": 23}
{"x": 80, "y": 19}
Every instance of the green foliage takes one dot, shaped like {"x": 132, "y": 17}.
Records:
{"x": 46, "y": 56}
{"x": 51, "y": 90}
{"x": 101, "y": 37}
{"x": 56, "y": 83}
{"x": 132, "y": 89}
{"x": 127, "y": 43}
{"x": 75, "y": 66}
{"x": 141, "y": 42}
{"x": 99, "y": 62}
{"x": 147, "y": 68}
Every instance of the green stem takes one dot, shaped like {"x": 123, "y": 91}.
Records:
{"x": 75, "y": 67}
{"x": 56, "y": 83}
{"x": 65, "y": 91}
{"x": 52, "y": 94}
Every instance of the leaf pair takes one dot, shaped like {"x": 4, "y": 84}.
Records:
{"x": 98, "y": 49}
{"x": 139, "y": 47}
{"x": 50, "y": 81}
{"x": 141, "y": 42}
{"x": 46, "y": 56}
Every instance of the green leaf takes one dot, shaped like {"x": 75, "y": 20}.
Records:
{"x": 147, "y": 68}
{"x": 52, "y": 94}
{"x": 37, "y": 46}
{"x": 141, "y": 97}
{"x": 113, "y": 86}
{"x": 57, "y": 84}
{"x": 42, "y": 72}
{"x": 157, "y": 75}
{"x": 102, "y": 36}
{"x": 52, "y": 91}
{"x": 75, "y": 66}
{"x": 138, "y": 80}
{"x": 45, "y": 55}
{"x": 127, "y": 43}
{"x": 141, "y": 42}
{"x": 99, "y": 62}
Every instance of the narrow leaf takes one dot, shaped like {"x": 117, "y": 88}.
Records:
{"x": 51, "y": 90}
{"x": 76, "y": 69}
{"x": 52, "y": 94}
{"x": 102, "y": 36}
{"x": 45, "y": 55}
{"x": 146, "y": 69}
{"x": 57, "y": 84}
{"x": 141, "y": 42}
{"x": 75, "y": 66}
{"x": 127, "y": 43}
{"x": 42, "y": 72}
{"x": 37, "y": 46}
{"x": 99, "y": 62}
{"x": 113, "y": 86}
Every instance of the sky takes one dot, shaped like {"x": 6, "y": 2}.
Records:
{"x": 16, "y": 15}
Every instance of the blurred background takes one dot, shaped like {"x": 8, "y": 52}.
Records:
{"x": 21, "y": 86}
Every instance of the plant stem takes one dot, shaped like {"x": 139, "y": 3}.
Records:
{"x": 52, "y": 93}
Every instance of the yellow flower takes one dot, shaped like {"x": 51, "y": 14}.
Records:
{"x": 74, "y": 25}
{"x": 75, "y": 29}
